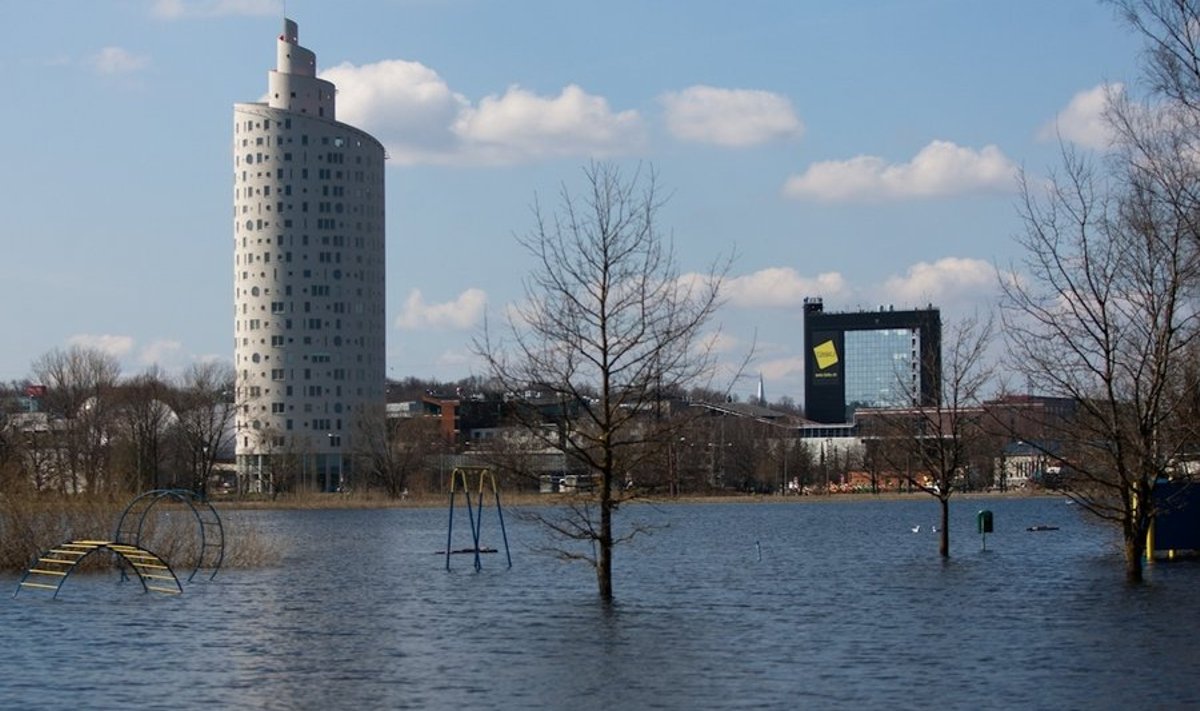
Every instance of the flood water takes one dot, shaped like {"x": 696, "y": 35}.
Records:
{"x": 769, "y": 605}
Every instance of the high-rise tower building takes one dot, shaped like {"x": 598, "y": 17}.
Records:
{"x": 309, "y": 322}
{"x": 862, "y": 359}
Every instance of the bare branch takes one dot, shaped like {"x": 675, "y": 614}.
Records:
{"x": 607, "y": 329}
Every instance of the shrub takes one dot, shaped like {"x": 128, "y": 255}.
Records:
{"x": 32, "y": 523}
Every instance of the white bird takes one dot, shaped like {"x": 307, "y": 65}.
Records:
{"x": 935, "y": 529}
{"x": 916, "y": 528}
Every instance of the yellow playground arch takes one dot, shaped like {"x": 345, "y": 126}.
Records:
{"x": 52, "y": 568}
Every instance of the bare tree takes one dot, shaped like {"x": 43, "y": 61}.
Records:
{"x": 1104, "y": 313}
{"x": 749, "y": 463}
{"x": 937, "y": 445}
{"x": 79, "y": 385}
{"x": 390, "y": 452}
{"x": 607, "y": 327}
{"x": 203, "y": 403}
{"x": 143, "y": 420}
{"x": 1171, "y": 29}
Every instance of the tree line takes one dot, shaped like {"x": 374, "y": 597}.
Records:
{"x": 77, "y": 427}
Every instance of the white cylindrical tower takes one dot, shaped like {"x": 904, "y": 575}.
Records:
{"x": 309, "y": 309}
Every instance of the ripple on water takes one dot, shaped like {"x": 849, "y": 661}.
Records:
{"x": 828, "y": 605}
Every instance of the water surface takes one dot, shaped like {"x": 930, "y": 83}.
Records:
{"x": 771, "y": 605}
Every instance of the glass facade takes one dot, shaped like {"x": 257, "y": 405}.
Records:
{"x": 866, "y": 359}
{"x": 882, "y": 367}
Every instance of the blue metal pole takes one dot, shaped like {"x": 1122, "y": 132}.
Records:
{"x": 450, "y": 527}
{"x": 475, "y": 525}
{"x": 503, "y": 532}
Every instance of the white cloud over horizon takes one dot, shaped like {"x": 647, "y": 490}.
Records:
{"x": 114, "y": 345}
{"x": 1082, "y": 120}
{"x": 459, "y": 359}
{"x": 166, "y": 353}
{"x": 732, "y": 118}
{"x": 463, "y": 313}
{"x": 111, "y": 61}
{"x": 406, "y": 105}
{"x": 169, "y": 355}
{"x": 943, "y": 282}
{"x": 420, "y": 120}
{"x": 780, "y": 369}
{"x": 940, "y": 169}
{"x": 947, "y": 281}
{"x": 520, "y": 125}
{"x": 780, "y": 287}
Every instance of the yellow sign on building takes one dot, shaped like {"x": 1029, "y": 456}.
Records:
{"x": 826, "y": 355}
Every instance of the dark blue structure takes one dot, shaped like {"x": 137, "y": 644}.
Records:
{"x": 1177, "y": 516}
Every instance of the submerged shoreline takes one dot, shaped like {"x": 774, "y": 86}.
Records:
{"x": 373, "y": 501}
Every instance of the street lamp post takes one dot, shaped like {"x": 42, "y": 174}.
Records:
{"x": 712, "y": 465}
{"x": 335, "y": 441}
{"x": 676, "y": 466}
{"x": 204, "y": 471}
{"x": 825, "y": 447}
{"x": 328, "y": 464}
{"x": 783, "y": 485}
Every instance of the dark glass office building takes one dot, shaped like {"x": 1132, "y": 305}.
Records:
{"x": 884, "y": 358}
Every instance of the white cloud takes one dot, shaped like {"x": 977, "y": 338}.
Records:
{"x": 941, "y": 168}
{"x": 1082, "y": 121}
{"x": 780, "y": 287}
{"x": 520, "y": 125}
{"x": 458, "y": 359}
{"x": 117, "y": 60}
{"x": 163, "y": 353}
{"x": 116, "y": 346}
{"x": 406, "y": 105}
{"x": 781, "y": 369}
{"x": 169, "y": 9}
{"x": 416, "y": 115}
{"x": 212, "y": 358}
{"x": 182, "y": 9}
{"x": 951, "y": 279}
{"x": 734, "y": 118}
{"x": 461, "y": 314}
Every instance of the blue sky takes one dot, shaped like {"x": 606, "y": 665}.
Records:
{"x": 864, "y": 152}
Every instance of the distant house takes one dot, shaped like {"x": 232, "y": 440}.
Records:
{"x": 1022, "y": 464}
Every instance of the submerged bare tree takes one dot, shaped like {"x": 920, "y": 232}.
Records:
{"x": 1105, "y": 311}
{"x": 937, "y": 445}
{"x": 607, "y": 327}
{"x": 1105, "y": 314}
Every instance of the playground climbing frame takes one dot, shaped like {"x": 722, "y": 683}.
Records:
{"x": 52, "y": 568}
